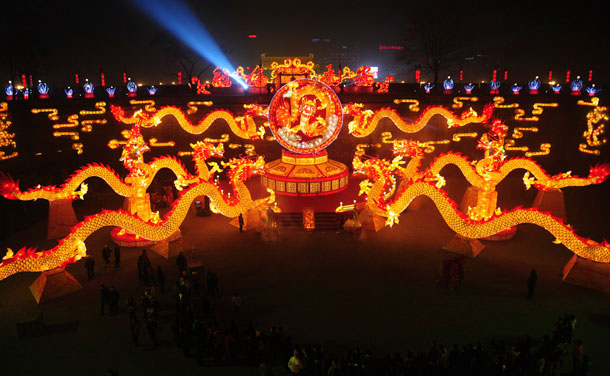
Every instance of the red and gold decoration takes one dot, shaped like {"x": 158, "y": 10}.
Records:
{"x": 305, "y": 117}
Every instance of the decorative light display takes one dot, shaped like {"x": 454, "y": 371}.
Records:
{"x": 494, "y": 87}
{"x": 111, "y": 90}
{"x": 413, "y": 104}
{"x": 576, "y": 86}
{"x": 448, "y": 85}
{"x": 596, "y": 127}
{"x": 461, "y": 74}
{"x": 418, "y": 75}
{"x": 132, "y": 89}
{"x": 516, "y": 89}
{"x": 485, "y": 219}
{"x": 152, "y": 90}
{"x": 329, "y": 77}
{"x": 255, "y": 78}
{"x": 69, "y": 92}
{"x": 294, "y": 68}
{"x": 179, "y": 78}
{"x": 124, "y": 77}
{"x": 468, "y": 88}
{"x": 9, "y": 90}
{"x": 364, "y": 77}
{"x": 365, "y": 121}
{"x": 241, "y": 126}
{"x": 534, "y": 85}
{"x": 26, "y": 93}
{"x": 506, "y": 75}
{"x": 102, "y": 79}
{"x": 7, "y": 139}
{"x": 305, "y": 116}
{"x": 221, "y": 78}
{"x": 88, "y": 88}
{"x": 43, "y": 90}
{"x": 556, "y": 88}
{"x": 201, "y": 87}
{"x": 592, "y": 90}
{"x": 550, "y": 75}
{"x": 138, "y": 220}
{"x": 590, "y": 76}
{"x": 567, "y": 76}
{"x": 494, "y": 75}
{"x": 383, "y": 87}
{"x": 458, "y": 102}
{"x": 76, "y": 78}
{"x": 428, "y": 87}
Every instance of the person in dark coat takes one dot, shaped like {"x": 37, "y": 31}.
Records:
{"x": 531, "y": 284}
{"x": 90, "y": 265}
{"x": 104, "y": 298}
{"x": 181, "y": 263}
{"x": 117, "y": 256}
{"x": 241, "y": 222}
{"x": 106, "y": 255}
{"x": 114, "y": 298}
{"x": 143, "y": 263}
{"x": 161, "y": 279}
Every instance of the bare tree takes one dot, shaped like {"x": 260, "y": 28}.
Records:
{"x": 433, "y": 39}
{"x": 180, "y": 57}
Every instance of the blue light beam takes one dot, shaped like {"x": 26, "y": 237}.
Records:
{"x": 179, "y": 19}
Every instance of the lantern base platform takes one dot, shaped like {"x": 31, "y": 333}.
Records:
{"x": 551, "y": 200}
{"x": 61, "y": 218}
{"x": 586, "y": 273}
{"x": 123, "y": 238}
{"x": 52, "y": 284}
{"x": 305, "y": 175}
{"x": 463, "y": 246}
{"x": 172, "y": 246}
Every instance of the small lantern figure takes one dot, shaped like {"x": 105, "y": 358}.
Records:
{"x": 132, "y": 88}
{"x": 593, "y": 90}
{"x": 576, "y": 86}
{"x": 88, "y": 88}
{"x": 516, "y": 89}
{"x": 152, "y": 90}
{"x": 494, "y": 87}
{"x": 428, "y": 87}
{"x": 556, "y": 88}
{"x": 110, "y": 90}
{"x": 534, "y": 85}
{"x": 9, "y": 90}
{"x": 26, "y": 93}
{"x": 43, "y": 90}
{"x": 468, "y": 88}
{"x": 69, "y": 92}
{"x": 448, "y": 85}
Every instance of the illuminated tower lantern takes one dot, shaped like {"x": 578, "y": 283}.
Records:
{"x": 305, "y": 117}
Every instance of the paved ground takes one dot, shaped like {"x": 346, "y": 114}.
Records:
{"x": 377, "y": 292}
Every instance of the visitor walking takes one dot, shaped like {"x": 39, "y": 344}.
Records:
{"x": 531, "y": 284}
{"x": 90, "y": 265}
{"x": 143, "y": 263}
{"x": 241, "y": 223}
{"x": 294, "y": 364}
{"x": 134, "y": 325}
{"x": 104, "y": 298}
{"x": 106, "y": 255}
{"x": 236, "y": 300}
{"x": 117, "y": 256}
{"x": 161, "y": 279}
{"x": 114, "y": 298}
{"x": 181, "y": 263}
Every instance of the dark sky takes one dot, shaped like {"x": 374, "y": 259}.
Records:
{"x": 84, "y": 36}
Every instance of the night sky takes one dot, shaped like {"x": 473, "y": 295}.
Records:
{"x": 62, "y": 38}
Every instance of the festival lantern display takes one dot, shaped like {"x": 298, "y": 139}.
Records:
{"x": 305, "y": 117}
{"x": 152, "y": 90}
{"x": 43, "y": 90}
{"x": 9, "y": 90}
{"x": 448, "y": 85}
{"x": 25, "y": 92}
{"x": 534, "y": 85}
{"x": 556, "y": 88}
{"x": 428, "y": 87}
{"x": 468, "y": 88}
{"x": 494, "y": 87}
{"x": 88, "y": 88}
{"x": 516, "y": 89}
{"x": 592, "y": 90}
{"x": 111, "y": 90}
{"x": 576, "y": 86}
{"x": 69, "y": 92}
{"x": 132, "y": 88}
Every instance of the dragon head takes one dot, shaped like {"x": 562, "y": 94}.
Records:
{"x": 204, "y": 150}
{"x": 8, "y": 186}
{"x": 599, "y": 172}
